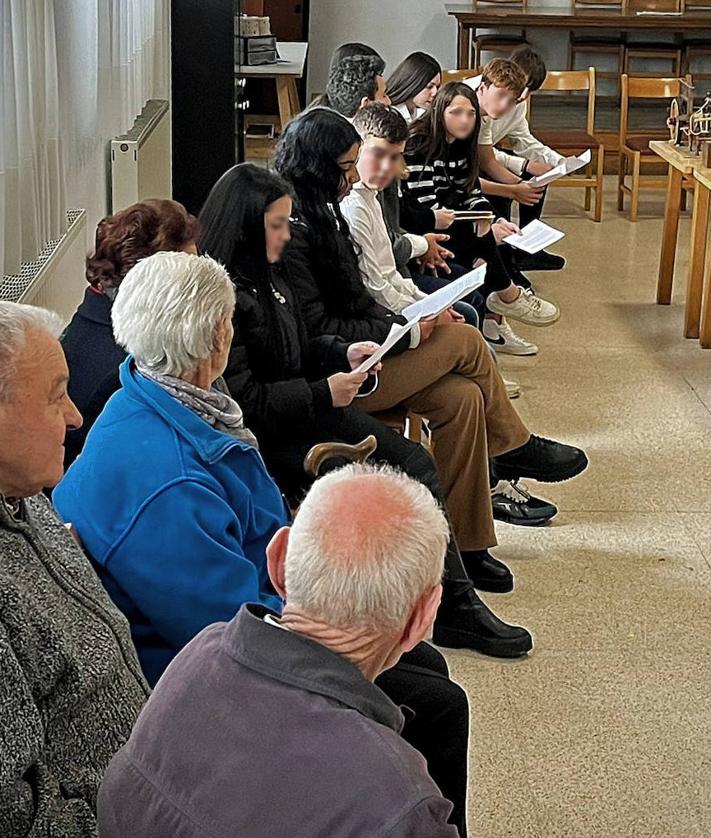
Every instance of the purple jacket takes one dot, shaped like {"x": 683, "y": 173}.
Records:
{"x": 257, "y": 731}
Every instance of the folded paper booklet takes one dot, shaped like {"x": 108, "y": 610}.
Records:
{"x": 473, "y": 215}
{"x": 569, "y": 165}
{"x": 534, "y": 237}
{"x": 432, "y": 305}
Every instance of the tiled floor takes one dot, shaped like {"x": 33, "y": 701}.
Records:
{"x": 605, "y": 730}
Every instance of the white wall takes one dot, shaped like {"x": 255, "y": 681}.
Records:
{"x": 398, "y": 27}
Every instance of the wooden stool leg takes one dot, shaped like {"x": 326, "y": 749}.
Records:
{"x": 284, "y": 98}
{"x": 600, "y": 182}
{"x": 634, "y": 204}
{"x": 621, "y": 171}
{"x": 463, "y": 45}
{"x": 671, "y": 229}
{"x": 705, "y": 328}
{"x": 697, "y": 262}
{"x": 294, "y": 97}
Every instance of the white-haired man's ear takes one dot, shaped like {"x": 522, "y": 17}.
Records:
{"x": 276, "y": 560}
{"x": 423, "y": 616}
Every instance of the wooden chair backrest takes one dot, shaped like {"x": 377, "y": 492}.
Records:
{"x": 563, "y": 81}
{"x": 638, "y": 87}
{"x": 620, "y": 4}
{"x": 522, "y": 3}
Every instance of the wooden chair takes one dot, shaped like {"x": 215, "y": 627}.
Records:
{"x": 589, "y": 44}
{"x": 649, "y": 50}
{"x": 634, "y": 145}
{"x": 500, "y": 43}
{"x": 569, "y": 140}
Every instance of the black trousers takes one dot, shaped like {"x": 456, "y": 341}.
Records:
{"x": 439, "y": 729}
{"x": 467, "y": 247}
{"x": 503, "y": 207}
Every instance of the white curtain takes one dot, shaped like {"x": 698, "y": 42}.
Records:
{"x": 32, "y": 209}
{"x": 75, "y": 73}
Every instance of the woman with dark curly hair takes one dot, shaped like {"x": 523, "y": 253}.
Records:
{"x": 93, "y": 355}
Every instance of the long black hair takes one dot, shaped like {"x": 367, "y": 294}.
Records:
{"x": 428, "y": 134}
{"x": 307, "y": 156}
{"x": 232, "y": 231}
{"x": 411, "y": 76}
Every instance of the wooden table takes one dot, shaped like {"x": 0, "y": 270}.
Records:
{"x": 285, "y": 73}
{"x": 681, "y": 170}
{"x": 473, "y": 15}
{"x": 699, "y": 234}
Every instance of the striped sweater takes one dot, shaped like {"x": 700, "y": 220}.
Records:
{"x": 440, "y": 182}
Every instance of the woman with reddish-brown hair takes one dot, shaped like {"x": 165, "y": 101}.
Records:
{"x": 93, "y": 356}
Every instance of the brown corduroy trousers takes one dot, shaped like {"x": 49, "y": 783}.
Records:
{"x": 452, "y": 380}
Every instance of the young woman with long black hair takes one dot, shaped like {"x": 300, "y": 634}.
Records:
{"x": 442, "y": 161}
{"x": 414, "y": 84}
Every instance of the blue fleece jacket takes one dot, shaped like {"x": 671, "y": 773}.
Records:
{"x": 175, "y": 516}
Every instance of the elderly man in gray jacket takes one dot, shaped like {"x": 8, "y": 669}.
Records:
{"x": 70, "y": 684}
{"x": 272, "y": 726}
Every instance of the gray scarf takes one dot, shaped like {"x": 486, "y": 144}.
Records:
{"x": 215, "y": 406}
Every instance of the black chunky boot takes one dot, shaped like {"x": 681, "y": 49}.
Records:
{"x": 466, "y": 622}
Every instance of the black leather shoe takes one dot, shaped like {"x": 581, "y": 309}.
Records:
{"x": 540, "y": 261}
{"x": 465, "y": 622}
{"x": 487, "y": 573}
{"x": 540, "y": 459}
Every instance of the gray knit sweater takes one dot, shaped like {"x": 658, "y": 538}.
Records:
{"x": 70, "y": 683}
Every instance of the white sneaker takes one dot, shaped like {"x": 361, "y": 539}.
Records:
{"x": 528, "y": 308}
{"x": 513, "y": 389}
{"x": 503, "y": 338}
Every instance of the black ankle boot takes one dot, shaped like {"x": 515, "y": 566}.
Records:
{"x": 465, "y": 622}
{"x": 487, "y": 573}
{"x": 540, "y": 459}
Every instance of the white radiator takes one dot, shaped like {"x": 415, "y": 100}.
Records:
{"x": 141, "y": 158}
{"x": 54, "y": 280}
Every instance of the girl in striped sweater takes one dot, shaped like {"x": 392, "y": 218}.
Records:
{"x": 441, "y": 156}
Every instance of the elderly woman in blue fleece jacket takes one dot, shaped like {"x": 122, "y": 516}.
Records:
{"x": 170, "y": 496}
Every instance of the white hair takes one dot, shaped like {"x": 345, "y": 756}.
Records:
{"x": 16, "y": 320}
{"x": 349, "y": 570}
{"x": 167, "y": 309}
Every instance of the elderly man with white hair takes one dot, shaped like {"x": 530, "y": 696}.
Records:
{"x": 175, "y": 507}
{"x": 272, "y": 726}
{"x": 70, "y": 684}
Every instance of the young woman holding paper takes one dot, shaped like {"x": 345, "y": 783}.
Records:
{"x": 442, "y": 160}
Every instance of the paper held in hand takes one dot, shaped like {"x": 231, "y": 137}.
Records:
{"x": 439, "y": 301}
{"x": 568, "y": 166}
{"x": 534, "y": 237}
{"x": 431, "y": 306}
